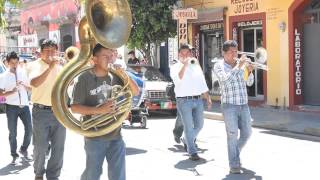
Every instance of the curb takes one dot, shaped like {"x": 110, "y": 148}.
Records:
{"x": 312, "y": 131}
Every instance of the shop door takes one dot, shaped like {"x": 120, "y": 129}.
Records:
{"x": 251, "y": 40}
{"x": 311, "y": 64}
{"x": 212, "y": 47}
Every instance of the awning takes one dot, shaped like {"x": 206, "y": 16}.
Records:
{"x": 209, "y": 15}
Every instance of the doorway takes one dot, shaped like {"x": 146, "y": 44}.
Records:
{"x": 251, "y": 39}
{"x": 212, "y": 42}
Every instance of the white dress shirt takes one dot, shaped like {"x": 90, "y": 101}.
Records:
{"x": 192, "y": 83}
{"x": 8, "y": 81}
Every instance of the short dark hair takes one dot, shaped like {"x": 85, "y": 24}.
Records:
{"x": 98, "y": 48}
{"x": 184, "y": 46}
{"x": 12, "y": 55}
{"x": 131, "y": 52}
{"x": 229, "y": 43}
{"x": 48, "y": 43}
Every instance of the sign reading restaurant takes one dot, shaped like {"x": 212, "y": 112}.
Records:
{"x": 245, "y": 6}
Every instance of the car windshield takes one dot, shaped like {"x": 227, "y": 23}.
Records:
{"x": 151, "y": 73}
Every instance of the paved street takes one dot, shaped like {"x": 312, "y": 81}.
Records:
{"x": 153, "y": 155}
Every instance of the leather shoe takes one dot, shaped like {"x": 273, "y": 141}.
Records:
{"x": 194, "y": 157}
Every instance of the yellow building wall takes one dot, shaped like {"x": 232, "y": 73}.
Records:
{"x": 276, "y": 40}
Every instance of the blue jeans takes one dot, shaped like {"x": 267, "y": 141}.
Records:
{"x": 178, "y": 126}
{"x": 191, "y": 111}
{"x": 98, "y": 149}
{"x": 13, "y": 112}
{"x": 236, "y": 117}
{"x": 46, "y": 128}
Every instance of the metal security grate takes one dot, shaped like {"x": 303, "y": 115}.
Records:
{"x": 157, "y": 94}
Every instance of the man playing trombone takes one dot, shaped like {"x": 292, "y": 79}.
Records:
{"x": 234, "y": 101}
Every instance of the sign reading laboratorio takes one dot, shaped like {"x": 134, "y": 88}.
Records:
{"x": 245, "y": 6}
{"x": 182, "y": 15}
{"x": 297, "y": 61}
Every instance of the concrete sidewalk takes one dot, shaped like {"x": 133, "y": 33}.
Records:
{"x": 277, "y": 119}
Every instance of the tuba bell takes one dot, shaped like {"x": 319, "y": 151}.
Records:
{"x": 107, "y": 22}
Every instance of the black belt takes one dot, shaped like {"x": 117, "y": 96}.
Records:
{"x": 41, "y": 106}
{"x": 190, "y": 97}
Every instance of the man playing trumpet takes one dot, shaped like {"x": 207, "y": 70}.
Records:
{"x": 234, "y": 101}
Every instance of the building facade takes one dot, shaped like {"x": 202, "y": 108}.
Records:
{"x": 54, "y": 19}
{"x": 286, "y": 29}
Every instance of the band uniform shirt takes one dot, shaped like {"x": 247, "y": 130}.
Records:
{"x": 8, "y": 81}
{"x": 193, "y": 82}
{"x": 91, "y": 90}
{"x": 42, "y": 93}
{"x": 233, "y": 85}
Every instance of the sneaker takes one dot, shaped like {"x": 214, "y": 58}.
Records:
{"x": 25, "y": 155}
{"x": 177, "y": 139}
{"x": 14, "y": 159}
{"x": 194, "y": 157}
{"x": 236, "y": 170}
{"x": 38, "y": 178}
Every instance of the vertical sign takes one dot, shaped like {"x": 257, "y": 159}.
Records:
{"x": 297, "y": 62}
{"x": 182, "y": 15}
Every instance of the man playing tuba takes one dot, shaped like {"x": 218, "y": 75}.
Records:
{"x": 92, "y": 96}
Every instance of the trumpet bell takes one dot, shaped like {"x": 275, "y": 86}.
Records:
{"x": 260, "y": 55}
{"x": 110, "y": 21}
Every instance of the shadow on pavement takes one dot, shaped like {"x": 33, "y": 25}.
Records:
{"x": 292, "y": 135}
{"x": 14, "y": 169}
{"x": 247, "y": 175}
{"x": 189, "y": 165}
{"x": 180, "y": 149}
{"x": 133, "y": 151}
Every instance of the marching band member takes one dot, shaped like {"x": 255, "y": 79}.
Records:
{"x": 190, "y": 87}
{"x": 234, "y": 101}
{"x": 46, "y": 128}
{"x": 88, "y": 93}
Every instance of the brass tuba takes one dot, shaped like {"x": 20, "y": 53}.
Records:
{"x": 109, "y": 23}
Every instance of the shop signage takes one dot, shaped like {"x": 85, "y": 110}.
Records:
{"x": 245, "y": 6}
{"x": 250, "y": 23}
{"x": 213, "y": 26}
{"x": 28, "y": 41}
{"x": 197, "y": 45}
{"x": 297, "y": 59}
{"x": 172, "y": 50}
{"x": 182, "y": 15}
{"x": 55, "y": 35}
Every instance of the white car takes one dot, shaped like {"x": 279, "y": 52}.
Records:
{"x": 155, "y": 92}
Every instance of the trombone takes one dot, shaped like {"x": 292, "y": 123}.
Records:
{"x": 260, "y": 56}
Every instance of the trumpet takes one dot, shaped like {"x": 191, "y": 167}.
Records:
{"x": 192, "y": 61}
{"x": 260, "y": 56}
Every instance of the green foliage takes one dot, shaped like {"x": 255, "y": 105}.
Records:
{"x": 152, "y": 23}
{"x": 15, "y": 3}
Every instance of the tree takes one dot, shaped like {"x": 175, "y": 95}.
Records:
{"x": 15, "y": 3}
{"x": 152, "y": 24}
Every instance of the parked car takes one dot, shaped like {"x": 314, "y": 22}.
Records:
{"x": 156, "y": 98}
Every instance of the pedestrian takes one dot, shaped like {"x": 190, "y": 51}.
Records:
{"x": 190, "y": 89}
{"x": 118, "y": 61}
{"x": 234, "y": 101}
{"x": 14, "y": 85}
{"x": 132, "y": 58}
{"x": 91, "y": 97}
{"x": 46, "y": 127}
